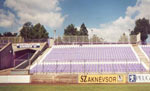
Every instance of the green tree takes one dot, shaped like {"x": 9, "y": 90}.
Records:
{"x": 9, "y": 34}
{"x": 33, "y": 32}
{"x": 95, "y": 38}
{"x": 39, "y": 32}
{"x": 142, "y": 26}
{"x": 58, "y": 40}
{"x": 0, "y": 35}
{"x": 123, "y": 38}
{"x": 70, "y": 30}
{"x": 83, "y": 30}
{"x": 15, "y": 34}
{"x": 26, "y": 31}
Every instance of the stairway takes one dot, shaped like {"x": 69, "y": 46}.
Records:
{"x": 5, "y": 71}
{"x": 40, "y": 57}
{"x": 141, "y": 55}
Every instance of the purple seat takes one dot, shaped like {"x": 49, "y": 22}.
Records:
{"x": 88, "y": 68}
{"x": 103, "y": 54}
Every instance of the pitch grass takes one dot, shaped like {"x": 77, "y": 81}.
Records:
{"x": 75, "y": 87}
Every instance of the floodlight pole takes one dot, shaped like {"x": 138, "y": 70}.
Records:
{"x": 129, "y": 35}
{"x": 92, "y": 37}
{"x": 54, "y": 35}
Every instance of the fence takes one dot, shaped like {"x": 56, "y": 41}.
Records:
{"x": 11, "y": 39}
{"x": 20, "y": 40}
{"x": 65, "y": 40}
{"x": 84, "y": 40}
{"x": 90, "y": 67}
{"x": 35, "y": 40}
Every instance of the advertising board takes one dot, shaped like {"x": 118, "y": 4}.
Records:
{"x": 101, "y": 79}
{"x": 28, "y": 45}
{"x": 139, "y": 78}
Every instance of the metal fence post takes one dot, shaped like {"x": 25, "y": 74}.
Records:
{"x": 140, "y": 67}
{"x": 98, "y": 66}
{"x": 126, "y": 67}
{"x": 56, "y": 66}
{"x": 149, "y": 66}
{"x": 84, "y": 66}
{"x": 70, "y": 67}
{"x": 113, "y": 66}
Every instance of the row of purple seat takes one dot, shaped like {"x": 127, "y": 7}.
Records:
{"x": 88, "y": 68}
{"x": 108, "y": 54}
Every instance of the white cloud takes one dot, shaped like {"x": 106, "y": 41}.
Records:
{"x": 112, "y": 31}
{"x": 6, "y": 19}
{"x": 142, "y": 7}
{"x": 47, "y": 12}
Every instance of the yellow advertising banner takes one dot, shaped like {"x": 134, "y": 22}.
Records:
{"x": 102, "y": 79}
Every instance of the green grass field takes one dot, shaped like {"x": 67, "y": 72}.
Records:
{"x": 76, "y": 87}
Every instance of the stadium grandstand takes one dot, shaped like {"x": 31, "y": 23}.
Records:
{"x": 90, "y": 59}
{"x": 75, "y": 57}
{"x": 81, "y": 56}
{"x": 74, "y": 45}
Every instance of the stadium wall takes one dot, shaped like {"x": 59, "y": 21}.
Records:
{"x": 91, "y": 78}
{"x": 77, "y": 78}
{"x": 6, "y": 56}
{"x": 15, "y": 79}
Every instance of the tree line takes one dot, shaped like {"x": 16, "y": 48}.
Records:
{"x": 71, "y": 30}
{"x": 8, "y": 34}
{"x": 38, "y": 31}
{"x": 142, "y": 26}
{"x": 30, "y": 31}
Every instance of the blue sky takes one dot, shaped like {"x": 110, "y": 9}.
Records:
{"x": 105, "y": 17}
{"x": 94, "y": 12}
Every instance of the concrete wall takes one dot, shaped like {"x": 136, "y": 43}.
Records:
{"x": 50, "y": 42}
{"x": 6, "y": 57}
{"x": 15, "y": 79}
{"x": 133, "y": 39}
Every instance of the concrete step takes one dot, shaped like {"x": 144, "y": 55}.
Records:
{"x": 140, "y": 54}
{"x": 40, "y": 57}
